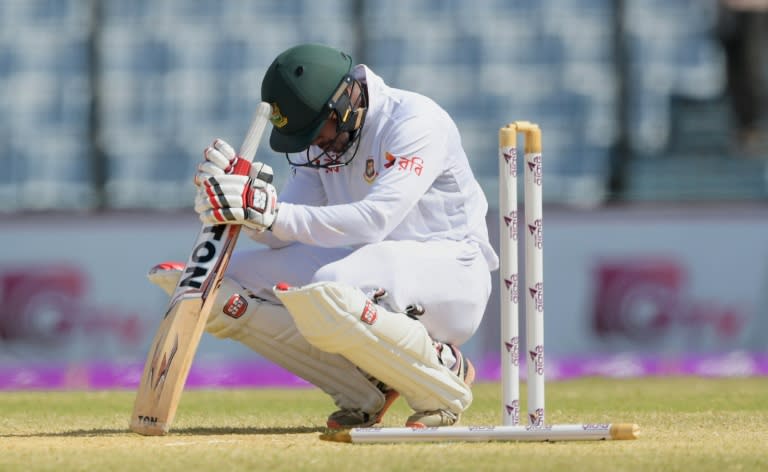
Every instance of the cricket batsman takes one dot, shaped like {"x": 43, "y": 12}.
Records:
{"x": 374, "y": 265}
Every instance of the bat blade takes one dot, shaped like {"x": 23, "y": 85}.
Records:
{"x": 178, "y": 336}
{"x": 165, "y": 371}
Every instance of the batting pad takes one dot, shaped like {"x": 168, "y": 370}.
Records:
{"x": 390, "y": 346}
{"x": 166, "y": 275}
{"x": 269, "y": 330}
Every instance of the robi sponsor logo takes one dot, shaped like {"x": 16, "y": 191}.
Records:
{"x": 513, "y": 348}
{"x": 595, "y": 426}
{"x": 534, "y": 166}
{"x": 513, "y": 411}
{"x": 408, "y": 164}
{"x": 510, "y": 159}
{"x": 512, "y": 287}
{"x": 390, "y": 160}
{"x": 536, "y": 230}
{"x": 536, "y": 419}
{"x": 511, "y": 222}
{"x": 537, "y": 296}
{"x": 537, "y": 358}
{"x": 481, "y": 428}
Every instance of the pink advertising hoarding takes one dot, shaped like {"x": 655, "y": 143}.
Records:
{"x": 630, "y": 291}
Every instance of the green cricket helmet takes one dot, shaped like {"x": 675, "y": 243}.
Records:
{"x": 301, "y": 85}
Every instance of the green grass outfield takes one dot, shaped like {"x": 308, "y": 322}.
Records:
{"x": 686, "y": 424}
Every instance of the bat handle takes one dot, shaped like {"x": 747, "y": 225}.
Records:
{"x": 242, "y": 167}
{"x": 252, "y": 138}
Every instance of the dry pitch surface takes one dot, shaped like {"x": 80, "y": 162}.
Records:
{"x": 686, "y": 424}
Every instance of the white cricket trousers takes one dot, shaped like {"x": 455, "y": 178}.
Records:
{"x": 449, "y": 279}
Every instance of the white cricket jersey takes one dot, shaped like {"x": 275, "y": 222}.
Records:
{"x": 410, "y": 180}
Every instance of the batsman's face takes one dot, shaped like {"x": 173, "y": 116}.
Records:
{"x": 329, "y": 139}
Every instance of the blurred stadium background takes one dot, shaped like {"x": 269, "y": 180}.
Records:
{"x": 652, "y": 184}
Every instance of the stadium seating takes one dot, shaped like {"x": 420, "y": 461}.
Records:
{"x": 174, "y": 74}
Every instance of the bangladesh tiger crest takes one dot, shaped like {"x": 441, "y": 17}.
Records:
{"x": 370, "y": 173}
{"x": 277, "y": 118}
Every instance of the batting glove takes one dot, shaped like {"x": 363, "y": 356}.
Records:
{"x": 220, "y": 159}
{"x": 231, "y": 190}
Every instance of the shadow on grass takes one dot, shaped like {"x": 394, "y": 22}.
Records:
{"x": 196, "y": 431}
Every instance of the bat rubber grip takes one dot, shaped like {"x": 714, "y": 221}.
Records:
{"x": 241, "y": 167}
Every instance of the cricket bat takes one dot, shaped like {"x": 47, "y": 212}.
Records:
{"x": 174, "y": 346}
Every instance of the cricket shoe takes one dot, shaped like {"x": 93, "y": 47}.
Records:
{"x": 347, "y": 418}
{"x": 464, "y": 370}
